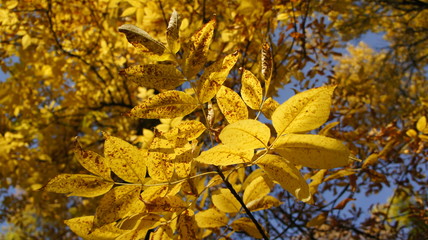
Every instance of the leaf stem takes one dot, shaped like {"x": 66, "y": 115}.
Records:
{"x": 235, "y": 194}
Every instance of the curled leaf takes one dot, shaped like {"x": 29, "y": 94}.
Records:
{"x": 141, "y": 39}
{"x": 172, "y": 32}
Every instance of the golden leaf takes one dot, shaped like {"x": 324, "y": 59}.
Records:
{"x": 247, "y": 226}
{"x": 421, "y": 125}
{"x": 172, "y": 32}
{"x": 251, "y": 90}
{"x": 211, "y": 218}
{"x": 256, "y": 189}
{"x": 187, "y": 225}
{"x": 263, "y": 203}
{"x": 222, "y": 155}
{"x": 231, "y": 105}
{"x": 92, "y": 161}
{"x": 170, "y": 104}
{"x": 214, "y": 76}
{"x": 318, "y": 220}
{"x": 340, "y": 174}
{"x": 78, "y": 185}
{"x": 312, "y": 151}
{"x": 125, "y": 160}
{"x": 303, "y": 112}
{"x": 371, "y": 160}
{"x": 118, "y": 203}
{"x": 196, "y": 56}
{"x": 269, "y": 107}
{"x": 158, "y": 76}
{"x": 188, "y": 130}
{"x": 160, "y": 159}
{"x": 141, "y": 39}
{"x": 165, "y": 204}
{"x": 82, "y": 226}
{"x": 245, "y": 134}
{"x": 143, "y": 225}
{"x": 286, "y": 174}
{"x": 317, "y": 179}
{"x": 224, "y": 201}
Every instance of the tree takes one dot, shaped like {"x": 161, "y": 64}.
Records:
{"x": 71, "y": 73}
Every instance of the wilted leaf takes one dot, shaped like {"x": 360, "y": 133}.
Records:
{"x": 196, "y": 56}
{"x": 170, "y": 104}
{"x": 224, "y": 201}
{"x": 78, "y": 185}
{"x": 92, "y": 161}
{"x": 141, "y": 39}
{"x": 245, "y": 134}
{"x": 82, "y": 227}
{"x": 251, "y": 90}
{"x": 214, "y": 76}
{"x": 222, "y": 155}
{"x": 312, "y": 151}
{"x": 286, "y": 174}
{"x": 211, "y": 218}
{"x": 247, "y": 226}
{"x": 125, "y": 160}
{"x": 303, "y": 112}
{"x": 172, "y": 32}
{"x": 119, "y": 202}
{"x": 158, "y": 76}
{"x": 231, "y": 105}
{"x": 269, "y": 107}
{"x": 343, "y": 203}
{"x": 267, "y": 64}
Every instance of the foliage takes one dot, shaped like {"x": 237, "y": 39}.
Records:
{"x": 197, "y": 145}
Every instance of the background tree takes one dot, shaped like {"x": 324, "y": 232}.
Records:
{"x": 63, "y": 61}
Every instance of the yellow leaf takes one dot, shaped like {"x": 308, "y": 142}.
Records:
{"x": 340, "y": 174}
{"x": 214, "y": 76}
{"x": 247, "y": 226}
{"x": 125, "y": 160}
{"x": 411, "y": 133}
{"x": 141, "y": 39}
{"x": 231, "y": 105}
{"x": 303, "y": 112}
{"x": 263, "y": 203}
{"x": 172, "y": 32}
{"x": 224, "y": 201}
{"x": 267, "y": 64}
{"x": 222, "y": 155}
{"x": 251, "y": 90}
{"x": 170, "y": 104}
{"x": 26, "y": 41}
{"x": 79, "y": 185}
{"x": 317, "y": 179}
{"x": 211, "y": 218}
{"x": 158, "y": 76}
{"x": 128, "y": 12}
{"x": 269, "y": 107}
{"x": 286, "y": 174}
{"x": 82, "y": 227}
{"x": 196, "y": 56}
{"x": 92, "y": 162}
{"x": 327, "y": 128}
{"x": 421, "y": 124}
{"x": 312, "y": 151}
{"x": 371, "y": 160}
{"x": 186, "y": 225}
{"x": 160, "y": 159}
{"x": 118, "y": 203}
{"x": 318, "y": 220}
{"x": 245, "y": 134}
{"x": 162, "y": 233}
{"x": 258, "y": 188}
{"x": 144, "y": 224}
{"x": 165, "y": 204}
{"x": 183, "y": 161}
{"x": 188, "y": 130}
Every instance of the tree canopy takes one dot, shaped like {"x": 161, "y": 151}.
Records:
{"x": 129, "y": 119}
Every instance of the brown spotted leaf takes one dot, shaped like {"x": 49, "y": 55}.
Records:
{"x": 251, "y": 90}
{"x": 231, "y": 105}
{"x": 188, "y": 229}
{"x": 141, "y": 39}
{"x": 82, "y": 227}
{"x": 79, "y": 185}
{"x": 92, "y": 161}
{"x": 158, "y": 76}
{"x": 160, "y": 159}
{"x": 172, "y": 32}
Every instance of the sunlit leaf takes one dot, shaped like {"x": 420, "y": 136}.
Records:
{"x": 286, "y": 174}
{"x": 158, "y": 76}
{"x": 168, "y": 104}
{"x": 172, "y": 32}
{"x": 211, "y": 218}
{"x": 165, "y": 204}
{"x": 317, "y": 179}
{"x": 318, "y": 220}
{"x": 196, "y": 56}
{"x": 141, "y": 39}
{"x": 187, "y": 226}
{"x": 231, "y": 105}
{"x": 143, "y": 226}
{"x": 421, "y": 124}
{"x": 303, "y": 112}
{"x": 312, "y": 151}
{"x": 340, "y": 174}
{"x": 222, "y": 155}
{"x": 251, "y": 90}
{"x": 224, "y": 201}
{"x": 269, "y": 107}
{"x": 258, "y": 188}
{"x": 92, "y": 161}
{"x": 245, "y": 134}
{"x": 160, "y": 159}
{"x": 119, "y": 202}
{"x": 188, "y": 130}
{"x": 79, "y": 185}
{"x": 263, "y": 203}
{"x": 82, "y": 226}
{"x": 125, "y": 160}
{"x": 214, "y": 76}
{"x": 247, "y": 226}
